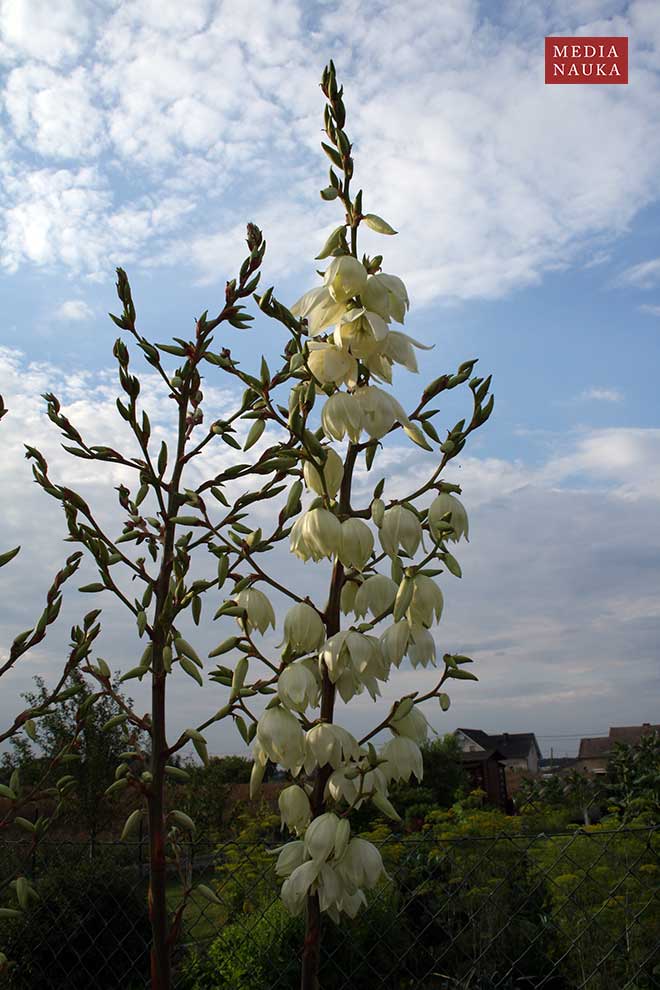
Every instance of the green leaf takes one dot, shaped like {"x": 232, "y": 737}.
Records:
{"x": 378, "y": 224}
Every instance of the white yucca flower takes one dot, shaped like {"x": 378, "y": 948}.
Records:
{"x": 332, "y": 471}
{"x": 345, "y": 277}
{"x": 380, "y": 410}
{"x": 329, "y": 743}
{"x": 298, "y": 688}
{"x": 413, "y": 725}
{"x": 281, "y": 737}
{"x": 398, "y": 295}
{"x": 291, "y": 856}
{"x": 303, "y": 628}
{"x": 321, "y": 835}
{"x": 296, "y": 887}
{"x": 362, "y": 332}
{"x": 260, "y": 614}
{"x": 458, "y": 521}
{"x": 400, "y": 529}
{"x": 331, "y": 365}
{"x": 315, "y": 534}
{"x": 403, "y": 759}
{"x": 361, "y": 865}
{"x": 356, "y": 545}
{"x": 375, "y": 595}
{"x": 400, "y": 349}
{"x": 394, "y": 642}
{"x": 342, "y": 416}
{"x": 426, "y": 603}
{"x": 295, "y": 809}
{"x": 421, "y": 648}
{"x": 319, "y": 309}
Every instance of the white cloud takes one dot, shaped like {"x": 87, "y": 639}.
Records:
{"x": 651, "y": 310}
{"x": 73, "y": 311}
{"x": 602, "y": 394}
{"x": 51, "y": 32}
{"x": 476, "y": 177}
{"x": 645, "y": 275}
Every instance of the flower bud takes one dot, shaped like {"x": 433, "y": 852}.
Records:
{"x": 303, "y": 628}
{"x": 458, "y": 520}
{"x": 357, "y": 543}
{"x": 345, "y": 277}
{"x": 297, "y": 687}
{"x": 260, "y": 614}
{"x": 281, "y": 737}
{"x": 295, "y": 808}
{"x": 332, "y": 471}
{"x": 401, "y": 528}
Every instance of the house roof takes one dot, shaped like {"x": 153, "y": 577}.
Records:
{"x": 593, "y": 747}
{"x": 482, "y": 757}
{"x": 512, "y": 745}
{"x": 631, "y": 734}
{"x": 599, "y": 746}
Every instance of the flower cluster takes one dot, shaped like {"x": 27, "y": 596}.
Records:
{"x": 328, "y": 861}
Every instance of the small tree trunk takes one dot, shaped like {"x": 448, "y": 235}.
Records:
{"x": 160, "y": 949}
{"x": 311, "y": 957}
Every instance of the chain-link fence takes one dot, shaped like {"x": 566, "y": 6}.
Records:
{"x": 580, "y": 909}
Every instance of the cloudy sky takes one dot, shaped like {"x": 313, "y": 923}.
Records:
{"x": 146, "y": 134}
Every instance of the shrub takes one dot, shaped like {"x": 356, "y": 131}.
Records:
{"x": 89, "y": 928}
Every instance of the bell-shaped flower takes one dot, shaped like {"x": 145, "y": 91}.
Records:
{"x": 329, "y": 887}
{"x": 357, "y": 543}
{"x": 295, "y": 809}
{"x": 348, "y": 595}
{"x": 350, "y": 683}
{"x": 329, "y": 743}
{"x": 298, "y": 688}
{"x": 281, "y": 737}
{"x": 375, "y": 297}
{"x": 303, "y": 628}
{"x": 342, "y": 416}
{"x": 403, "y": 758}
{"x": 332, "y": 471}
{"x": 421, "y": 648}
{"x": 401, "y": 528}
{"x": 291, "y": 856}
{"x": 316, "y": 534}
{"x": 345, "y": 277}
{"x": 394, "y": 642}
{"x": 344, "y": 784}
{"x": 361, "y": 331}
{"x": 259, "y": 611}
{"x": 319, "y": 309}
{"x": 350, "y": 904}
{"x": 399, "y": 302}
{"x": 375, "y": 595}
{"x": 413, "y": 725}
{"x": 361, "y": 865}
{"x": 399, "y": 348}
{"x": 320, "y": 836}
{"x": 458, "y": 520}
{"x": 380, "y": 365}
{"x": 331, "y": 365}
{"x": 347, "y": 648}
{"x": 380, "y": 410}
{"x": 296, "y": 887}
{"x": 426, "y": 603}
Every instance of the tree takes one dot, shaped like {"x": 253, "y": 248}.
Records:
{"x": 98, "y": 752}
{"x": 340, "y": 341}
{"x": 633, "y": 778}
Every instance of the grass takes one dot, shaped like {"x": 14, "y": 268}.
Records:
{"x": 202, "y": 919}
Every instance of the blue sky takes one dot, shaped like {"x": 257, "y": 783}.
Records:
{"x": 146, "y": 135}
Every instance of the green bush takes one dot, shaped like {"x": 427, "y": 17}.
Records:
{"x": 89, "y": 928}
